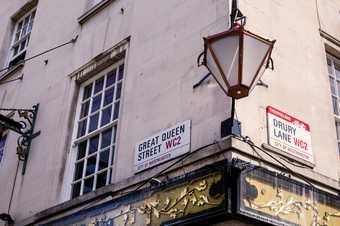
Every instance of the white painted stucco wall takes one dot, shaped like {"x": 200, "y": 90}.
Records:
{"x": 166, "y": 38}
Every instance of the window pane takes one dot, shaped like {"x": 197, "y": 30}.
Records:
{"x": 104, "y": 160}
{"x": 116, "y": 111}
{"x": 17, "y": 36}
{"x": 337, "y": 71}
{"x": 19, "y": 27}
{"x": 23, "y": 45}
{"x": 24, "y": 28}
{"x": 29, "y": 28}
{"x": 27, "y": 18}
{"x": 337, "y": 126}
{"x": 114, "y": 134}
{"x": 331, "y": 83}
{"x": 28, "y": 39}
{"x": 91, "y": 165}
{"x": 335, "y": 105}
{"x": 16, "y": 49}
{"x": 3, "y": 141}
{"x": 84, "y": 109}
{"x": 88, "y": 185}
{"x": 108, "y": 98}
{"x": 112, "y": 157}
{"x": 121, "y": 72}
{"x": 94, "y": 141}
{"x": 79, "y": 170}
{"x": 82, "y": 150}
{"x": 76, "y": 189}
{"x": 101, "y": 179}
{"x": 111, "y": 78}
{"x": 96, "y": 103}
{"x": 119, "y": 90}
{"x": 2, "y": 146}
{"x": 87, "y": 91}
{"x": 30, "y": 25}
{"x": 106, "y": 116}
{"x": 81, "y": 128}
{"x": 93, "y": 122}
{"x": 106, "y": 138}
{"x": 98, "y": 86}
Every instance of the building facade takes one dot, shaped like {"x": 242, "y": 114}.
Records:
{"x": 121, "y": 133}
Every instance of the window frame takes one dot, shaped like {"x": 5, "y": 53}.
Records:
{"x": 332, "y": 77}
{"x": 113, "y": 124}
{"x": 26, "y": 37}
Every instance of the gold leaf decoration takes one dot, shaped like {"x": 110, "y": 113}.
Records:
{"x": 193, "y": 195}
{"x": 282, "y": 205}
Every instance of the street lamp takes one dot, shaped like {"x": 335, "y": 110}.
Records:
{"x": 236, "y": 59}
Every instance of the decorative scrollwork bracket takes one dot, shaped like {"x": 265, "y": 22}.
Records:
{"x": 24, "y": 126}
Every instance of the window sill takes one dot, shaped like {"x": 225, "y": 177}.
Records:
{"x": 11, "y": 71}
{"x": 93, "y": 11}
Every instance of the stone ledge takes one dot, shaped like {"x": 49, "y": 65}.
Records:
{"x": 12, "y": 70}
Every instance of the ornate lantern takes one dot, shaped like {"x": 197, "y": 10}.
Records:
{"x": 237, "y": 58}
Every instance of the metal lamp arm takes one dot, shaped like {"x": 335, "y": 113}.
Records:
{"x": 24, "y": 127}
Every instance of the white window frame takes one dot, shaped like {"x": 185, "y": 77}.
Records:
{"x": 76, "y": 141}
{"x": 335, "y": 93}
{"x": 25, "y": 38}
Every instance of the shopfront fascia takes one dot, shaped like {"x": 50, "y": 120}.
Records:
{"x": 189, "y": 198}
{"x": 215, "y": 193}
{"x": 273, "y": 198}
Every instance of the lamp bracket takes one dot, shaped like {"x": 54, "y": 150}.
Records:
{"x": 236, "y": 14}
{"x": 238, "y": 17}
{"x": 270, "y": 64}
{"x": 201, "y": 61}
{"x": 201, "y": 81}
{"x": 261, "y": 83}
{"x": 26, "y": 122}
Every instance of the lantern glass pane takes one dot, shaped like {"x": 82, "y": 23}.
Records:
{"x": 211, "y": 64}
{"x": 254, "y": 52}
{"x": 259, "y": 75}
{"x": 227, "y": 50}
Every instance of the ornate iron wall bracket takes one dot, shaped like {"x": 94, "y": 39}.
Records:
{"x": 25, "y": 127}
